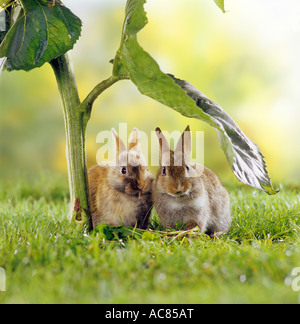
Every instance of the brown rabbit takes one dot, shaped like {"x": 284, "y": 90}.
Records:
{"x": 188, "y": 192}
{"x": 121, "y": 194}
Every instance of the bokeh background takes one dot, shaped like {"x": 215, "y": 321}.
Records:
{"x": 246, "y": 60}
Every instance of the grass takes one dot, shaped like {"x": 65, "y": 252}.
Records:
{"x": 48, "y": 261}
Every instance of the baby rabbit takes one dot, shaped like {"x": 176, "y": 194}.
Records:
{"x": 188, "y": 192}
{"x": 121, "y": 194}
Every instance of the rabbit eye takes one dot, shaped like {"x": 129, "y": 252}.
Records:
{"x": 164, "y": 171}
{"x": 187, "y": 168}
{"x": 124, "y": 170}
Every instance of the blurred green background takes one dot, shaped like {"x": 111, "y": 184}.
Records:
{"x": 246, "y": 60}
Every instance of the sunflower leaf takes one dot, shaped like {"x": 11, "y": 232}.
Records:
{"x": 243, "y": 155}
{"x": 42, "y": 32}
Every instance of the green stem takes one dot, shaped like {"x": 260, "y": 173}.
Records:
{"x": 87, "y": 104}
{"x": 75, "y": 138}
{"x": 77, "y": 115}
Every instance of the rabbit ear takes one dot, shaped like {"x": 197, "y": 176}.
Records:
{"x": 164, "y": 146}
{"x": 119, "y": 145}
{"x": 134, "y": 141}
{"x": 184, "y": 145}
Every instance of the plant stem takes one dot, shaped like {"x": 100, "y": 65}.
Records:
{"x": 87, "y": 104}
{"x": 77, "y": 115}
{"x": 75, "y": 138}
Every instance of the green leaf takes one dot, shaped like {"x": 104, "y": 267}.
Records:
{"x": 41, "y": 33}
{"x": 116, "y": 233}
{"x": 142, "y": 68}
{"x": 148, "y": 236}
{"x": 243, "y": 155}
{"x": 104, "y": 231}
{"x": 220, "y": 4}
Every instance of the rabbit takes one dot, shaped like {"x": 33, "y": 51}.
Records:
{"x": 122, "y": 194}
{"x": 189, "y": 193}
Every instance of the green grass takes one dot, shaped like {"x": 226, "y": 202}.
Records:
{"x": 47, "y": 261}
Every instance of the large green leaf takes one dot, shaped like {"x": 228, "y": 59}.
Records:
{"x": 243, "y": 155}
{"x": 41, "y": 33}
